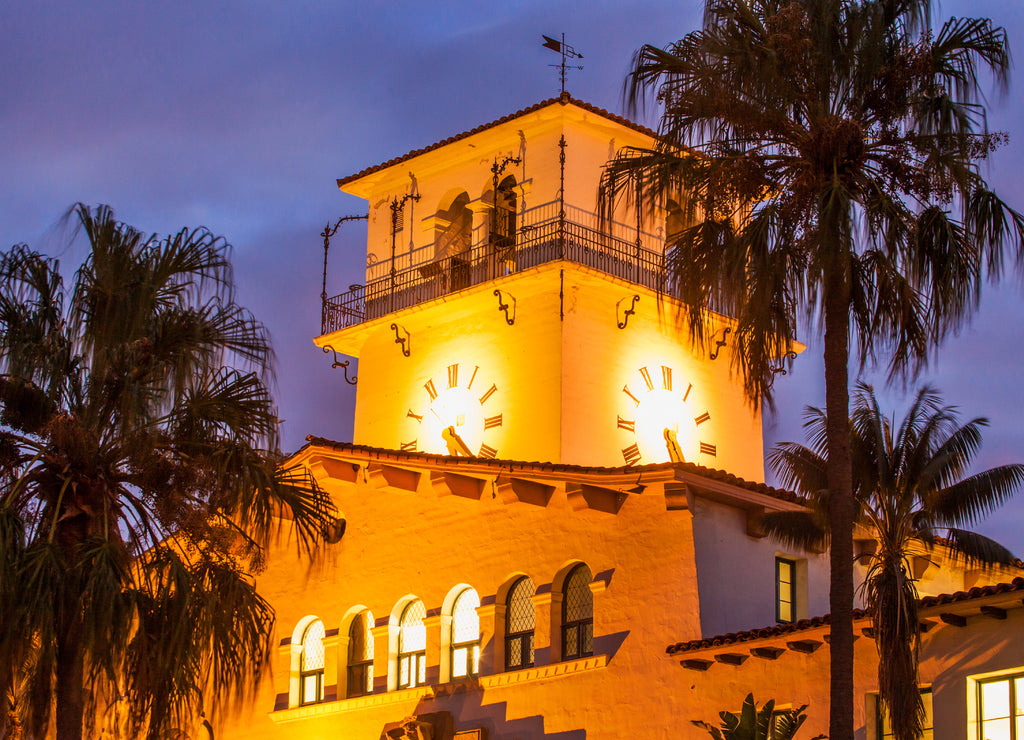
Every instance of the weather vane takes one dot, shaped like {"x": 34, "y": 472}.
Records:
{"x": 566, "y": 51}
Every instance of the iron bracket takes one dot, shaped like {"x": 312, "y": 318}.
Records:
{"x": 720, "y": 343}
{"x": 343, "y": 365}
{"x": 502, "y": 306}
{"x": 405, "y": 341}
{"x": 627, "y": 313}
{"x": 781, "y": 368}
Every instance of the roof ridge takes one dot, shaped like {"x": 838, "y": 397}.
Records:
{"x": 563, "y": 99}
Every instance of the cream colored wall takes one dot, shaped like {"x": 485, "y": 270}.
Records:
{"x": 736, "y": 573}
{"x": 599, "y": 359}
{"x": 404, "y": 543}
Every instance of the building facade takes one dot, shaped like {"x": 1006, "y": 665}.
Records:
{"x": 548, "y": 488}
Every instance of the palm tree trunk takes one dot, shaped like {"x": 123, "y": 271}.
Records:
{"x": 70, "y": 710}
{"x": 841, "y": 508}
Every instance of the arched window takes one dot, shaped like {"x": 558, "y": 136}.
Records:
{"x": 465, "y": 635}
{"x": 412, "y": 646}
{"x": 311, "y": 664}
{"x": 360, "y": 655}
{"x": 577, "y": 615}
{"x": 503, "y": 228}
{"x": 519, "y": 624}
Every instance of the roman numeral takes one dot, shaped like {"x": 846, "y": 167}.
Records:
{"x": 666, "y": 377}
{"x": 413, "y": 415}
{"x": 488, "y": 452}
{"x": 631, "y": 454}
{"x": 492, "y": 421}
{"x": 698, "y": 420}
{"x": 687, "y": 394}
{"x": 472, "y": 377}
{"x": 488, "y": 394}
{"x": 625, "y": 389}
{"x": 706, "y": 449}
{"x": 647, "y": 378}
{"x": 453, "y": 375}
{"x": 431, "y": 390}
{"x": 409, "y": 446}
{"x": 628, "y": 424}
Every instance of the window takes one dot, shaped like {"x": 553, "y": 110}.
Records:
{"x": 577, "y": 615}
{"x": 311, "y": 664}
{"x": 465, "y": 635}
{"x": 360, "y": 655}
{"x": 885, "y": 728}
{"x": 519, "y": 624}
{"x": 412, "y": 647}
{"x": 785, "y": 590}
{"x": 1001, "y": 708}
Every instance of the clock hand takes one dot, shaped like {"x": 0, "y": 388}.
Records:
{"x": 454, "y": 442}
{"x": 675, "y": 453}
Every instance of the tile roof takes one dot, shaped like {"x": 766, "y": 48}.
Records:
{"x": 550, "y": 467}
{"x": 732, "y": 638}
{"x": 563, "y": 99}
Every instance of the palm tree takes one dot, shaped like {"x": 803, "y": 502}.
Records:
{"x": 828, "y": 153}
{"x": 139, "y": 484}
{"x": 910, "y": 486}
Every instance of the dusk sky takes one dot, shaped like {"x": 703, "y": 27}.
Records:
{"x": 240, "y": 116}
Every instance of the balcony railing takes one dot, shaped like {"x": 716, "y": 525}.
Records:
{"x": 547, "y": 241}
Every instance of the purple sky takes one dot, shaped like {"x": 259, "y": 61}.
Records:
{"x": 240, "y": 116}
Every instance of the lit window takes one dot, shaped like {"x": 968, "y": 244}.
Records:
{"x": 311, "y": 664}
{"x": 465, "y": 635}
{"x": 785, "y": 590}
{"x": 885, "y": 727}
{"x": 360, "y": 655}
{"x": 519, "y": 624}
{"x": 1001, "y": 707}
{"x": 577, "y": 615}
{"x": 412, "y": 647}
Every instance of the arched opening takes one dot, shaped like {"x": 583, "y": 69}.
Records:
{"x": 577, "y": 614}
{"x": 503, "y": 227}
{"x": 453, "y": 237}
{"x": 465, "y": 637}
{"x": 360, "y": 655}
{"x": 412, "y": 646}
{"x": 520, "y": 621}
{"x": 311, "y": 664}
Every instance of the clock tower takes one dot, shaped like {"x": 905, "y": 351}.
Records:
{"x": 501, "y": 318}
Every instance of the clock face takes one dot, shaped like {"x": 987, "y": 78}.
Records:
{"x": 459, "y": 414}
{"x": 662, "y": 419}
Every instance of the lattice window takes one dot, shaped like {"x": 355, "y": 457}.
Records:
{"x": 412, "y": 646}
{"x": 360, "y": 655}
{"x": 519, "y": 625}
{"x": 311, "y": 664}
{"x": 465, "y": 635}
{"x": 577, "y": 615}
{"x": 785, "y": 590}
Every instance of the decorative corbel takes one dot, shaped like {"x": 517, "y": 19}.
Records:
{"x": 719, "y": 343}
{"x": 780, "y": 369}
{"x": 627, "y": 313}
{"x": 502, "y": 306}
{"x": 343, "y": 365}
{"x": 405, "y": 341}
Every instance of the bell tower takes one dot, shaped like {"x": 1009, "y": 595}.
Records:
{"x": 501, "y": 318}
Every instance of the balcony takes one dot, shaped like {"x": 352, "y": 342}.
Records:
{"x": 544, "y": 237}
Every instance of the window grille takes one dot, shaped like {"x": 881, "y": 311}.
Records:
{"x": 519, "y": 625}
{"x": 360, "y": 655}
{"x": 311, "y": 664}
{"x": 465, "y": 635}
{"x": 412, "y": 647}
{"x": 577, "y": 615}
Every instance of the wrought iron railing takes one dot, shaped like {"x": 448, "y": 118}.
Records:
{"x": 536, "y": 244}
